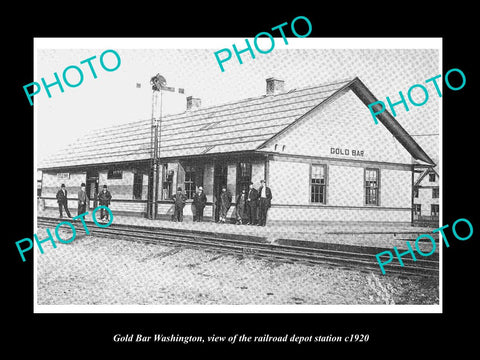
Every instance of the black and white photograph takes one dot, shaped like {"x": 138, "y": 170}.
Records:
{"x": 217, "y": 179}
{"x": 185, "y": 182}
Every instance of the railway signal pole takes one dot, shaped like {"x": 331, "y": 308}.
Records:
{"x": 157, "y": 82}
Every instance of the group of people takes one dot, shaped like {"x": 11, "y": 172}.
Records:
{"x": 104, "y": 198}
{"x": 251, "y": 205}
{"x": 198, "y": 205}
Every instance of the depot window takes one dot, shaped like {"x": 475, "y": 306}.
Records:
{"x": 372, "y": 186}
{"x": 318, "y": 184}
{"x": 417, "y": 209}
{"x": 167, "y": 182}
{"x": 190, "y": 182}
{"x": 244, "y": 176}
{"x": 435, "y": 193}
{"x": 137, "y": 185}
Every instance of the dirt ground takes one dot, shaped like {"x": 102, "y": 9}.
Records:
{"x": 93, "y": 270}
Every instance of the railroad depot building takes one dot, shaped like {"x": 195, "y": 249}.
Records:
{"x": 318, "y": 149}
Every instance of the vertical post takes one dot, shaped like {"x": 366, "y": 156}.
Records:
{"x": 157, "y": 156}
{"x": 153, "y": 154}
{"x": 267, "y": 169}
{"x": 412, "y": 218}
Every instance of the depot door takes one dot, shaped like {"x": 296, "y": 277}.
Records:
{"x": 92, "y": 188}
{"x": 219, "y": 180}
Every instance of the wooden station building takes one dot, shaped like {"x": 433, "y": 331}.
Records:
{"x": 318, "y": 149}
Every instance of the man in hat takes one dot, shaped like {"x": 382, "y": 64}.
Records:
{"x": 264, "y": 202}
{"x": 199, "y": 202}
{"x": 179, "y": 199}
{"x": 251, "y": 205}
{"x": 82, "y": 200}
{"x": 104, "y": 199}
{"x": 62, "y": 201}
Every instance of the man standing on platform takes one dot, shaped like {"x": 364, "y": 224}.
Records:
{"x": 265, "y": 198}
{"x": 82, "y": 200}
{"x": 199, "y": 202}
{"x": 179, "y": 198}
{"x": 251, "y": 205}
{"x": 62, "y": 201}
{"x": 104, "y": 199}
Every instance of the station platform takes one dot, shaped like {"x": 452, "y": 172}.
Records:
{"x": 367, "y": 235}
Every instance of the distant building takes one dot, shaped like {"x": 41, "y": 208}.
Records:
{"x": 318, "y": 149}
{"x": 426, "y": 194}
{"x": 39, "y": 184}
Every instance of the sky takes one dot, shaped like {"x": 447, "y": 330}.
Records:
{"x": 386, "y": 66}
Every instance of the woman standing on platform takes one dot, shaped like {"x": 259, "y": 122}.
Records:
{"x": 225, "y": 203}
{"x": 240, "y": 207}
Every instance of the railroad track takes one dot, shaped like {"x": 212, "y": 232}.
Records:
{"x": 344, "y": 256}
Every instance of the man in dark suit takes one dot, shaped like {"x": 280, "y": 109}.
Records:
{"x": 179, "y": 199}
{"x": 199, "y": 202}
{"x": 62, "y": 201}
{"x": 82, "y": 200}
{"x": 264, "y": 202}
{"x": 251, "y": 205}
{"x": 104, "y": 199}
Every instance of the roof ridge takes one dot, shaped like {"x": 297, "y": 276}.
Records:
{"x": 346, "y": 80}
{"x": 259, "y": 97}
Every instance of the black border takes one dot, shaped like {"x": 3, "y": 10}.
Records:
{"x": 89, "y": 333}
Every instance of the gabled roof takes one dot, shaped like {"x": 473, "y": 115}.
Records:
{"x": 392, "y": 125}
{"x": 237, "y": 126}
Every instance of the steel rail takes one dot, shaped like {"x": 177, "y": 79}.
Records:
{"x": 363, "y": 261}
